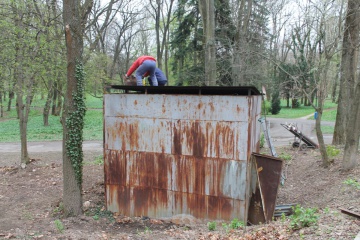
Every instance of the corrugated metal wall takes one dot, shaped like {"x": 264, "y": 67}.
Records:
{"x": 168, "y": 154}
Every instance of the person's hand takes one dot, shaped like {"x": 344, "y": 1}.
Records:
{"x": 126, "y": 76}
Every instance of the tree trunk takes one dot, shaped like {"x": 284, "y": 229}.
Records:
{"x": 25, "y": 159}
{"x": 46, "y": 111}
{"x": 11, "y": 97}
{"x": 1, "y": 105}
{"x": 320, "y": 137}
{"x": 348, "y": 70}
{"x": 54, "y": 98}
{"x": 207, "y": 10}
{"x": 59, "y": 103}
{"x": 334, "y": 88}
{"x": 74, "y": 16}
{"x": 353, "y": 133}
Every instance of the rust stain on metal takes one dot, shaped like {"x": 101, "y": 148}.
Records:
{"x": 213, "y": 206}
{"x": 126, "y": 131}
{"x": 142, "y": 170}
{"x": 115, "y": 168}
{"x": 124, "y": 199}
{"x": 226, "y": 207}
{"x": 163, "y": 108}
{"x": 238, "y": 109}
{"x": 224, "y": 139}
{"x": 164, "y": 171}
{"x": 177, "y": 139}
{"x": 196, "y": 203}
{"x": 195, "y": 139}
{"x": 212, "y": 108}
{"x": 199, "y": 168}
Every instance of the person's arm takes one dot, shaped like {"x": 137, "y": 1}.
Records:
{"x": 133, "y": 67}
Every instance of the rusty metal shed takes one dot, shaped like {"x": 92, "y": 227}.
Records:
{"x": 183, "y": 150}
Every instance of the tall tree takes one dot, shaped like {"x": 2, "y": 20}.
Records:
{"x": 75, "y": 17}
{"x": 352, "y": 124}
{"x": 207, "y": 10}
{"x": 26, "y": 52}
{"x": 349, "y": 60}
{"x": 161, "y": 11}
{"x": 248, "y": 67}
{"x": 188, "y": 64}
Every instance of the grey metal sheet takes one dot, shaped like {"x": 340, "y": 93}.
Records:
{"x": 135, "y": 134}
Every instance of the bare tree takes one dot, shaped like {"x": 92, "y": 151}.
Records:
{"x": 161, "y": 11}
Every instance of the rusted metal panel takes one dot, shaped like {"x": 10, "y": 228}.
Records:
{"x": 150, "y": 170}
{"x": 115, "y": 167}
{"x": 136, "y": 106}
{"x": 173, "y": 154}
{"x": 139, "y": 201}
{"x": 138, "y": 134}
{"x": 210, "y": 139}
{"x": 268, "y": 170}
{"x": 206, "y": 108}
{"x": 209, "y": 108}
{"x": 214, "y": 177}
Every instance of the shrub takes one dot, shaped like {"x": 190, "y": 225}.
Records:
{"x": 211, "y": 226}
{"x": 262, "y": 140}
{"x": 353, "y": 183}
{"x": 235, "y": 224}
{"x": 59, "y": 225}
{"x": 303, "y": 217}
{"x": 332, "y": 151}
{"x": 275, "y": 103}
{"x": 285, "y": 156}
{"x": 265, "y": 107}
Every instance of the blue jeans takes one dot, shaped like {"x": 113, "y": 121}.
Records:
{"x": 146, "y": 66}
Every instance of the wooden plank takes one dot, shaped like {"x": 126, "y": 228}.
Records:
{"x": 351, "y": 213}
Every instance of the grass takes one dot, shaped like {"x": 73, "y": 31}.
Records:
{"x": 327, "y": 129}
{"x": 328, "y": 115}
{"x": 93, "y": 126}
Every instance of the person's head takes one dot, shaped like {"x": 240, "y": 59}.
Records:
{"x": 130, "y": 81}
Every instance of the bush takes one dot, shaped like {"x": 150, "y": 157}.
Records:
{"x": 332, "y": 151}
{"x": 275, "y": 103}
{"x": 211, "y": 226}
{"x": 262, "y": 140}
{"x": 265, "y": 107}
{"x": 303, "y": 217}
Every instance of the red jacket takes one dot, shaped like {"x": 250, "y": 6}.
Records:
{"x": 138, "y": 62}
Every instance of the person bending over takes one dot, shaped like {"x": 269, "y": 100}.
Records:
{"x": 160, "y": 77}
{"x": 143, "y": 65}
